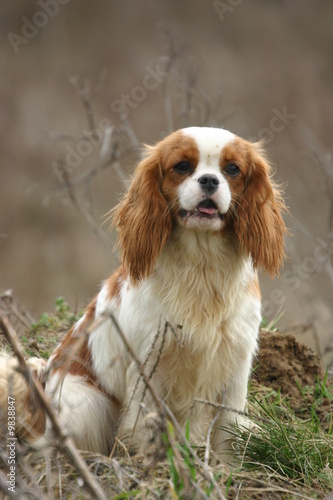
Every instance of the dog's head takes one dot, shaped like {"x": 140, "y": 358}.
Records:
{"x": 203, "y": 179}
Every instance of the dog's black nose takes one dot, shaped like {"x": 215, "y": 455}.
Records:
{"x": 209, "y": 183}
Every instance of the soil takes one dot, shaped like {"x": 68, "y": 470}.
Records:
{"x": 283, "y": 363}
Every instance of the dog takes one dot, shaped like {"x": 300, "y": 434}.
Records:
{"x": 201, "y": 216}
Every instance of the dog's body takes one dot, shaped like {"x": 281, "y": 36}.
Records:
{"x": 200, "y": 217}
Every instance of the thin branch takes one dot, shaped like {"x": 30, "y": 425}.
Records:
{"x": 158, "y": 403}
{"x": 213, "y": 422}
{"x": 219, "y": 406}
{"x": 83, "y": 89}
{"x": 12, "y": 306}
{"x": 104, "y": 161}
{"x": 81, "y": 209}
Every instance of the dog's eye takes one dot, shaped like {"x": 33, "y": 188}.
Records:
{"x": 182, "y": 167}
{"x": 232, "y": 169}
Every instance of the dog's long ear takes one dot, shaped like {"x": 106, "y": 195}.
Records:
{"x": 259, "y": 224}
{"x": 142, "y": 218}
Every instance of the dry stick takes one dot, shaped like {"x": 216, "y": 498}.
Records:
{"x": 14, "y": 308}
{"x": 157, "y": 401}
{"x": 164, "y": 409}
{"x": 277, "y": 488}
{"x": 81, "y": 209}
{"x": 66, "y": 442}
{"x": 23, "y": 316}
{"x": 22, "y": 485}
{"x": 128, "y": 346}
{"x": 137, "y": 385}
{"x": 232, "y": 410}
{"x": 83, "y": 178}
{"x": 84, "y": 96}
{"x": 103, "y": 162}
{"x": 213, "y": 422}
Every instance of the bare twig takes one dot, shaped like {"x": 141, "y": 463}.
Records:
{"x": 213, "y": 422}
{"x": 158, "y": 403}
{"x": 83, "y": 89}
{"x": 219, "y": 406}
{"x": 8, "y": 303}
{"x": 66, "y": 442}
{"x": 81, "y": 209}
{"x": 150, "y": 352}
{"x": 79, "y": 180}
{"x": 176, "y": 43}
{"x": 109, "y": 156}
{"x": 164, "y": 410}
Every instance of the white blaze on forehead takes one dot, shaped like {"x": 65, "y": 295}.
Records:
{"x": 210, "y": 141}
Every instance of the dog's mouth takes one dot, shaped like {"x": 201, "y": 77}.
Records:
{"x": 207, "y": 209}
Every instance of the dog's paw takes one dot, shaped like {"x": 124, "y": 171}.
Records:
{"x": 247, "y": 424}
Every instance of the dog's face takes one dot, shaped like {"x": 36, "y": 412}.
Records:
{"x": 203, "y": 179}
{"x": 204, "y": 171}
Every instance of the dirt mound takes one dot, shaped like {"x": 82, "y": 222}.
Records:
{"x": 284, "y": 363}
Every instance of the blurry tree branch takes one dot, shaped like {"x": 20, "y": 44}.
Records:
{"x": 185, "y": 102}
{"x": 80, "y": 206}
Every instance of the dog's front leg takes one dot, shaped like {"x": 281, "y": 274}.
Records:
{"x": 141, "y": 427}
{"x": 233, "y": 406}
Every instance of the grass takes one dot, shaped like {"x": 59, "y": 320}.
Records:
{"x": 284, "y": 456}
{"x": 288, "y": 455}
{"x": 298, "y": 449}
{"x": 62, "y": 318}
{"x": 271, "y": 325}
{"x": 43, "y": 335}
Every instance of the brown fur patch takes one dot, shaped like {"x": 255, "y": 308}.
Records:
{"x": 114, "y": 283}
{"x": 146, "y": 215}
{"x": 256, "y": 206}
{"x": 175, "y": 149}
{"x": 81, "y": 364}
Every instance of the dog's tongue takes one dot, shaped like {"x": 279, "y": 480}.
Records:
{"x": 207, "y": 210}
{"x": 207, "y": 207}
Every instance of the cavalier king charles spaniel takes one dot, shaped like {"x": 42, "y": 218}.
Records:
{"x": 201, "y": 216}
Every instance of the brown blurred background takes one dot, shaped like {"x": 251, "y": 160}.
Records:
{"x": 261, "y": 69}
